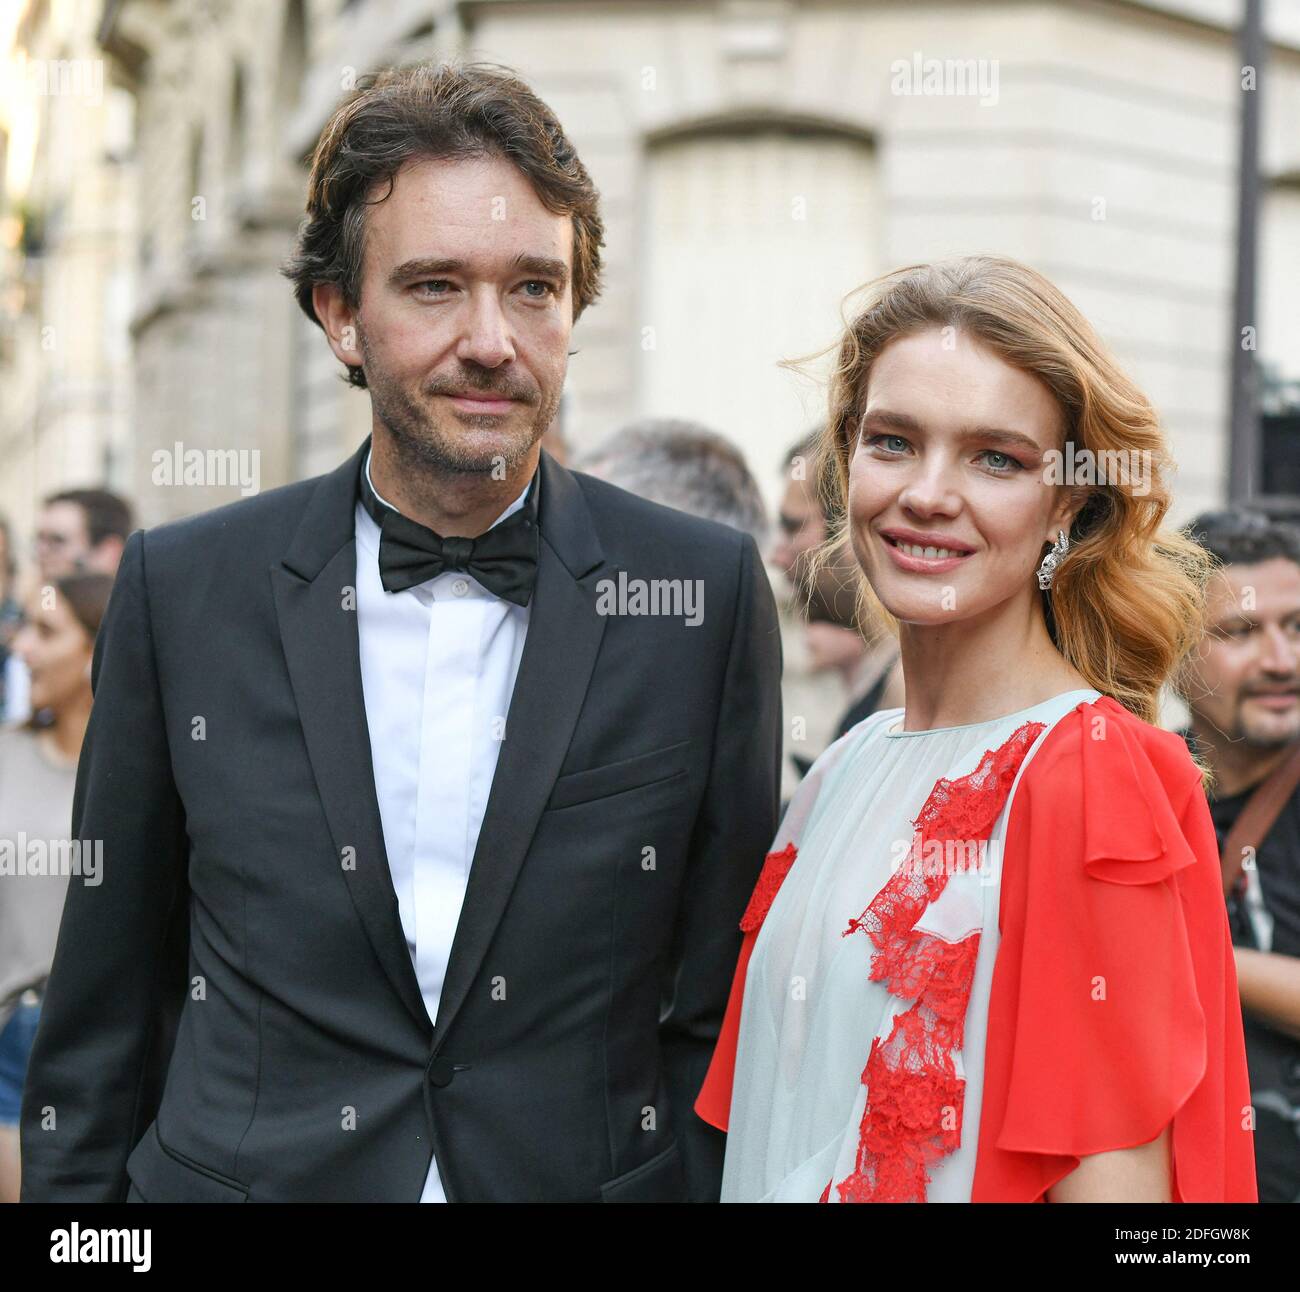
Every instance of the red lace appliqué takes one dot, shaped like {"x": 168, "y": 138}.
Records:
{"x": 914, "y": 1095}
{"x": 776, "y": 866}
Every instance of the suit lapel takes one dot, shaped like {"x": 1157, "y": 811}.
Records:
{"x": 564, "y": 635}
{"x": 318, "y": 629}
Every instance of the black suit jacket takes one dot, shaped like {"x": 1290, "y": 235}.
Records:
{"x": 233, "y": 1014}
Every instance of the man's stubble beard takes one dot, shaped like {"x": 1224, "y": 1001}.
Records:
{"x": 425, "y": 447}
{"x": 1264, "y": 740}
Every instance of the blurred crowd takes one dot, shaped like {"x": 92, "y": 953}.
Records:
{"x": 50, "y": 613}
{"x": 78, "y": 532}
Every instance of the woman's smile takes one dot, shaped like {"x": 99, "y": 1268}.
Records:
{"x": 922, "y": 553}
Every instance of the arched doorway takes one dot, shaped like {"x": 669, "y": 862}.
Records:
{"x": 753, "y": 233}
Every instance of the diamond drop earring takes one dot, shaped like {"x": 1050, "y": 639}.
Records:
{"x": 1052, "y": 560}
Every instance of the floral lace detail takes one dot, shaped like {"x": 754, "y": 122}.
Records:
{"x": 914, "y": 1104}
{"x": 776, "y": 866}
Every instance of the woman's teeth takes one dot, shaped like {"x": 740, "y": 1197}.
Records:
{"x": 930, "y": 553}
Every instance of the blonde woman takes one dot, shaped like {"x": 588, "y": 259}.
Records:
{"x": 988, "y": 958}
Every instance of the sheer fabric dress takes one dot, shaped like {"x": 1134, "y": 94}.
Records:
{"x": 870, "y": 1047}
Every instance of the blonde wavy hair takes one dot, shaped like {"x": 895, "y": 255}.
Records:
{"x": 1127, "y": 603}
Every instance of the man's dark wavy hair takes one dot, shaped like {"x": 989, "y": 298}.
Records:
{"x": 107, "y": 514}
{"x": 1239, "y": 536}
{"x": 444, "y": 111}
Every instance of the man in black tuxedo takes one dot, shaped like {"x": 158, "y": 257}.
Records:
{"x": 430, "y": 791}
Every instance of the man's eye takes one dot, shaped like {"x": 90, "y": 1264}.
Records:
{"x": 434, "y": 282}
{"x": 546, "y": 288}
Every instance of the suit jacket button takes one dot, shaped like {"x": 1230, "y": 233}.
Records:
{"x": 441, "y": 1071}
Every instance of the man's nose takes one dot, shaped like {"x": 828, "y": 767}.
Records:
{"x": 1277, "y": 652}
{"x": 486, "y": 339}
{"x": 22, "y": 644}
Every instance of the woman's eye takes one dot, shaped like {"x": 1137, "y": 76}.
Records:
{"x": 890, "y": 443}
{"x": 1001, "y": 462}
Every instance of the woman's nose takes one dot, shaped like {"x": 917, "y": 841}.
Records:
{"x": 930, "y": 491}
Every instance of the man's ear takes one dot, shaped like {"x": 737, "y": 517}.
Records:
{"x": 106, "y": 555}
{"x": 339, "y": 321}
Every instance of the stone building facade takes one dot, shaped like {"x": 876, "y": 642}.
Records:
{"x": 758, "y": 159}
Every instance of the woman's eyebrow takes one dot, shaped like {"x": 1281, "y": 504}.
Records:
{"x": 895, "y": 421}
{"x": 998, "y": 435}
{"x": 886, "y": 418}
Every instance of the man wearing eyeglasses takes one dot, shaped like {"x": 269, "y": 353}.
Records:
{"x": 82, "y": 531}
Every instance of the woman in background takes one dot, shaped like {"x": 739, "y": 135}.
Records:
{"x": 13, "y": 680}
{"x": 988, "y": 958}
{"x": 38, "y": 768}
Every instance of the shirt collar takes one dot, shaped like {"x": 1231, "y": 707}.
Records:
{"x": 509, "y": 511}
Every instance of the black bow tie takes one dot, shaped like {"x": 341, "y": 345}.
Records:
{"x": 503, "y": 560}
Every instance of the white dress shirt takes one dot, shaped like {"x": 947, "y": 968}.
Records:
{"x": 438, "y": 666}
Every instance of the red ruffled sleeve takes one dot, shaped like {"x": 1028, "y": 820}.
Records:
{"x": 713, "y": 1103}
{"x": 1114, "y": 1008}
